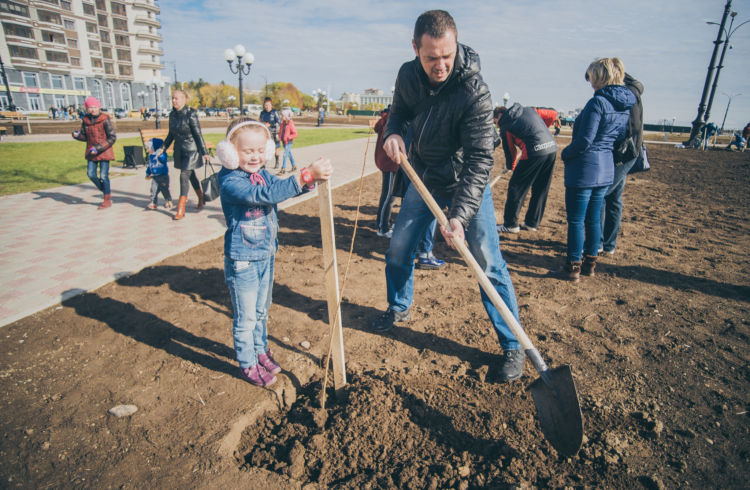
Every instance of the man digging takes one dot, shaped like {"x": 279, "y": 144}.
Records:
{"x": 444, "y": 96}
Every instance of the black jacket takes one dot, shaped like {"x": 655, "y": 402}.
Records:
{"x": 185, "y": 131}
{"x": 631, "y": 147}
{"x": 526, "y": 124}
{"x": 453, "y": 144}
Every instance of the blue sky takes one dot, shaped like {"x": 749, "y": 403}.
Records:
{"x": 535, "y": 50}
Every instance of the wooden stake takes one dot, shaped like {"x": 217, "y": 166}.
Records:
{"x": 330, "y": 269}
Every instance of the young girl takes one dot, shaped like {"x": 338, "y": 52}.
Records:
{"x": 99, "y": 134}
{"x": 249, "y": 196}
{"x": 287, "y": 133}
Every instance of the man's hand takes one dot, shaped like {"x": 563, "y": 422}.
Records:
{"x": 457, "y": 231}
{"x": 394, "y": 146}
{"x": 206, "y": 158}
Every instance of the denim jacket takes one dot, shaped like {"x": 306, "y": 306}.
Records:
{"x": 250, "y": 211}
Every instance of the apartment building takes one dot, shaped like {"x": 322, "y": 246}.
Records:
{"x": 58, "y": 52}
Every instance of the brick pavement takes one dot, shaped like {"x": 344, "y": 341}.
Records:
{"x": 57, "y": 244}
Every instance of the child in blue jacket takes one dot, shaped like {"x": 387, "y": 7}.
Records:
{"x": 158, "y": 171}
{"x": 249, "y": 197}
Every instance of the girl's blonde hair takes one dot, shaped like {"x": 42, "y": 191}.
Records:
{"x": 606, "y": 71}
{"x": 185, "y": 94}
{"x": 248, "y": 124}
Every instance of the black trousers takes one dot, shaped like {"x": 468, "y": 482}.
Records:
{"x": 385, "y": 206}
{"x": 185, "y": 176}
{"x": 535, "y": 174}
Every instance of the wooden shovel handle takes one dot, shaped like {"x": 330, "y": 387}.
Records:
{"x": 484, "y": 281}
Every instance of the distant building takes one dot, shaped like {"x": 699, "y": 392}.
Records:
{"x": 58, "y": 52}
{"x": 375, "y": 96}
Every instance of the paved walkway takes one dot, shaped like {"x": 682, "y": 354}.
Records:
{"x": 57, "y": 244}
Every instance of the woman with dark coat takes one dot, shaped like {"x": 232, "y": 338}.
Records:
{"x": 189, "y": 148}
{"x": 589, "y": 162}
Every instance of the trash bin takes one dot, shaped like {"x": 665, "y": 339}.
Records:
{"x": 133, "y": 156}
{"x": 19, "y": 129}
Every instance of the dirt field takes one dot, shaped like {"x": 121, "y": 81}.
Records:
{"x": 657, "y": 342}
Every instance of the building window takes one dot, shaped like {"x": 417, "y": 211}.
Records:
{"x": 57, "y": 56}
{"x": 109, "y": 69}
{"x": 106, "y": 52}
{"x": 66, "y": 5}
{"x": 104, "y": 36}
{"x": 53, "y": 37}
{"x": 96, "y": 89}
{"x": 101, "y": 5}
{"x": 79, "y": 83}
{"x": 102, "y": 19}
{"x": 88, "y": 9}
{"x": 123, "y": 55}
{"x": 91, "y": 28}
{"x": 109, "y": 94}
{"x": 120, "y": 24}
{"x": 125, "y": 70}
{"x": 55, "y": 2}
{"x": 14, "y": 8}
{"x": 118, "y": 8}
{"x": 69, "y": 24}
{"x": 51, "y": 17}
{"x": 18, "y": 30}
{"x": 57, "y": 81}
{"x": 35, "y": 102}
{"x": 73, "y": 43}
{"x": 96, "y": 62}
{"x": 121, "y": 40}
{"x": 75, "y": 61}
{"x": 30, "y": 79}
{"x": 23, "y": 52}
{"x": 94, "y": 45}
{"x": 125, "y": 94}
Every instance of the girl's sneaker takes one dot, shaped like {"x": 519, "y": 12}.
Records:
{"x": 151, "y": 206}
{"x": 257, "y": 376}
{"x": 168, "y": 205}
{"x": 267, "y": 361}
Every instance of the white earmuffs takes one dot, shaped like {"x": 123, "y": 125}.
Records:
{"x": 227, "y": 152}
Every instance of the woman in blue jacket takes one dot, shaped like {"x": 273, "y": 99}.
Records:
{"x": 589, "y": 163}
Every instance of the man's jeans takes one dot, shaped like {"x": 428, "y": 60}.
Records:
{"x": 584, "y": 206}
{"x": 102, "y": 181}
{"x": 250, "y": 285}
{"x": 287, "y": 152}
{"x": 612, "y": 208}
{"x": 413, "y": 220}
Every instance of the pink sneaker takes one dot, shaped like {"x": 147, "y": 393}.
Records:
{"x": 257, "y": 376}
{"x": 268, "y": 362}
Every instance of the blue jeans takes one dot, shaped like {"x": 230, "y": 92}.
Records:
{"x": 583, "y": 206}
{"x": 288, "y": 152}
{"x": 612, "y": 208}
{"x": 102, "y": 181}
{"x": 413, "y": 221}
{"x": 250, "y": 285}
{"x": 424, "y": 250}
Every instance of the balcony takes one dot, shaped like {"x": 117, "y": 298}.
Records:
{"x": 151, "y": 51}
{"x": 149, "y": 36}
{"x": 149, "y": 65}
{"x": 147, "y": 21}
{"x": 141, "y": 4}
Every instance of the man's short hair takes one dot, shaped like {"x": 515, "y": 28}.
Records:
{"x": 267, "y": 99}
{"x": 434, "y": 23}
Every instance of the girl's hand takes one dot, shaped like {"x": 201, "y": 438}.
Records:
{"x": 321, "y": 169}
{"x": 76, "y": 133}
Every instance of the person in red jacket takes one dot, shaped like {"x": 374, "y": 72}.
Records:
{"x": 287, "y": 133}
{"x": 99, "y": 134}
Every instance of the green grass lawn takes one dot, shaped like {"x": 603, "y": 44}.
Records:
{"x": 26, "y": 167}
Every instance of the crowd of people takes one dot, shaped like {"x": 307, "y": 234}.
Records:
{"x": 443, "y": 119}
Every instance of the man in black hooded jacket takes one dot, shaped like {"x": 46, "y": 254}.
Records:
{"x": 444, "y": 96}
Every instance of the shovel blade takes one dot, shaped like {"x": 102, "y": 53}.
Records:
{"x": 559, "y": 411}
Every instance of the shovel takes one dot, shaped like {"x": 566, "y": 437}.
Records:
{"x": 554, "y": 393}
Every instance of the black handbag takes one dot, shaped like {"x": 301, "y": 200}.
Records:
{"x": 641, "y": 163}
{"x": 210, "y": 184}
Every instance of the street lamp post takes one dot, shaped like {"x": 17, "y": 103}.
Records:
{"x": 157, "y": 85}
{"x": 244, "y": 59}
{"x": 506, "y": 98}
{"x": 727, "y": 111}
{"x": 142, "y": 96}
{"x": 727, "y": 35}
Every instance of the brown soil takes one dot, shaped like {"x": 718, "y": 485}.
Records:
{"x": 657, "y": 342}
